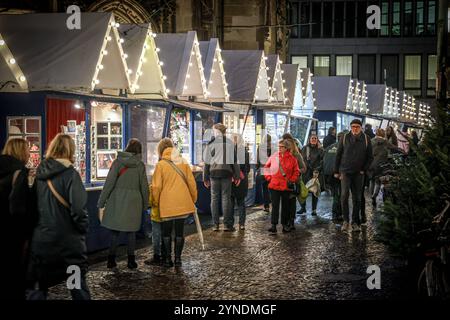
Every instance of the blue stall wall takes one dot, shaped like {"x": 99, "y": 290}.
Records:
{"x": 326, "y": 116}
{"x": 18, "y": 105}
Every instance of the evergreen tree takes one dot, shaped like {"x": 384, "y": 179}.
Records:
{"x": 420, "y": 182}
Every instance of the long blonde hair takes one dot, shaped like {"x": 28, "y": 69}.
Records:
{"x": 17, "y": 148}
{"x": 61, "y": 147}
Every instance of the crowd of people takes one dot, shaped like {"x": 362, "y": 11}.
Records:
{"x": 46, "y": 210}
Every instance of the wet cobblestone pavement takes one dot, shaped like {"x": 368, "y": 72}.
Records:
{"x": 316, "y": 261}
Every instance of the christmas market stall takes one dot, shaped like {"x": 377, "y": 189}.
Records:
{"x": 338, "y": 103}
{"x": 299, "y": 125}
{"x": 246, "y": 75}
{"x": 65, "y": 88}
{"x": 191, "y": 111}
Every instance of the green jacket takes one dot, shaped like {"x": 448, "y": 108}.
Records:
{"x": 125, "y": 197}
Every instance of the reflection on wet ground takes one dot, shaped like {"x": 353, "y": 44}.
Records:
{"x": 316, "y": 261}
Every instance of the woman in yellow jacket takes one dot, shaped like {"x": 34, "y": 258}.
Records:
{"x": 174, "y": 193}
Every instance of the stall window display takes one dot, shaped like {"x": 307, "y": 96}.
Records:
{"x": 203, "y": 120}
{"x": 148, "y": 126}
{"x": 376, "y": 123}
{"x": 299, "y": 128}
{"x": 275, "y": 125}
{"x": 179, "y": 131}
{"x": 343, "y": 121}
{"x": 323, "y": 129}
{"x": 106, "y": 137}
{"x": 28, "y": 128}
{"x": 78, "y": 134}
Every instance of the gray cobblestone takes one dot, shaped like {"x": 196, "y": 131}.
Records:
{"x": 316, "y": 261}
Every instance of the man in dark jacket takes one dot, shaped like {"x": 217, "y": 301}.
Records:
{"x": 353, "y": 159}
{"x": 220, "y": 169}
{"x": 369, "y": 131}
{"x": 329, "y": 160}
{"x": 330, "y": 138}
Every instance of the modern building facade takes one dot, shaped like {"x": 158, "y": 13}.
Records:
{"x": 332, "y": 38}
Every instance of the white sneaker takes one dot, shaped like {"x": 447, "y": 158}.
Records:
{"x": 356, "y": 228}
{"x": 345, "y": 227}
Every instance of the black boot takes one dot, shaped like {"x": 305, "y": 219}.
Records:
{"x": 179, "y": 244}
{"x": 168, "y": 247}
{"x": 111, "y": 262}
{"x": 156, "y": 261}
{"x": 132, "y": 262}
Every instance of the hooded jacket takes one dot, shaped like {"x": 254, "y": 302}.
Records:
{"x": 125, "y": 193}
{"x": 169, "y": 191}
{"x": 354, "y": 154}
{"x": 273, "y": 174}
{"x": 59, "y": 239}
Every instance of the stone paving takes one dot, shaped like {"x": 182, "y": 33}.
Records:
{"x": 316, "y": 261}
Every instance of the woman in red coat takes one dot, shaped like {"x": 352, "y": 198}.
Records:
{"x": 278, "y": 177}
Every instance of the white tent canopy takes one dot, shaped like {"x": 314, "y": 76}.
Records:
{"x": 275, "y": 78}
{"x": 376, "y": 98}
{"x": 308, "y": 92}
{"x": 142, "y": 58}
{"x": 423, "y": 114}
{"x": 246, "y": 75}
{"x": 212, "y": 61}
{"x": 51, "y": 56}
{"x": 292, "y": 84}
{"x": 407, "y": 107}
{"x": 180, "y": 58}
{"x": 334, "y": 93}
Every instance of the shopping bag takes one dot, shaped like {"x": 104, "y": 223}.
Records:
{"x": 303, "y": 192}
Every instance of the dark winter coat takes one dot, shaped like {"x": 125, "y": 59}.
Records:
{"x": 59, "y": 239}
{"x": 218, "y": 164}
{"x": 240, "y": 192}
{"x": 354, "y": 154}
{"x": 125, "y": 197}
{"x": 329, "y": 140}
{"x": 370, "y": 133}
{"x": 18, "y": 215}
{"x": 313, "y": 155}
{"x": 329, "y": 159}
{"x": 380, "y": 150}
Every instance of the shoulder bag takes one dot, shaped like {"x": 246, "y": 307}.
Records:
{"x": 292, "y": 186}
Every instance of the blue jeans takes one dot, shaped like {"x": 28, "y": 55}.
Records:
{"x": 156, "y": 237}
{"x": 239, "y": 209}
{"x": 221, "y": 194}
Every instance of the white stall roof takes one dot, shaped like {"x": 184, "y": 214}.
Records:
{"x": 308, "y": 90}
{"x": 376, "y": 98}
{"x": 291, "y": 75}
{"x": 214, "y": 71}
{"x": 275, "y": 77}
{"x": 246, "y": 75}
{"x": 332, "y": 92}
{"x": 51, "y": 56}
{"x": 180, "y": 58}
{"x": 142, "y": 59}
